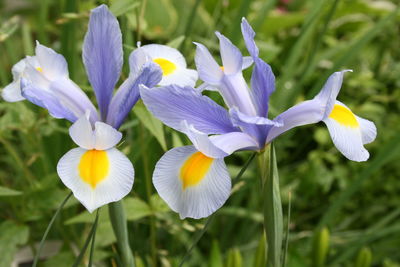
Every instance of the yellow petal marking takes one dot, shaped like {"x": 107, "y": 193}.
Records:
{"x": 194, "y": 169}
{"x": 344, "y": 116}
{"x": 94, "y": 166}
{"x": 39, "y": 69}
{"x": 166, "y": 66}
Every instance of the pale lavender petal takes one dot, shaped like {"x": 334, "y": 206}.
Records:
{"x": 231, "y": 57}
{"x": 128, "y": 94}
{"x": 173, "y": 104}
{"x": 201, "y": 141}
{"x": 208, "y": 69}
{"x": 136, "y": 61}
{"x": 248, "y": 36}
{"x": 307, "y": 112}
{"x": 53, "y": 65}
{"x": 102, "y": 55}
{"x": 247, "y": 62}
{"x": 330, "y": 91}
{"x": 46, "y": 100}
{"x": 262, "y": 85}
{"x": 73, "y": 98}
{"x": 231, "y": 142}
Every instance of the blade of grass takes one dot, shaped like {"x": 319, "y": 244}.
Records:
{"x": 37, "y": 256}
{"x": 68, "y": 38}
{"x": 235, "y": 32}
{"x": 92, "y": 245}
{"x": 355, "y": 48}
{"x": 200, "y": 234}
{"x": 88, "y": 239}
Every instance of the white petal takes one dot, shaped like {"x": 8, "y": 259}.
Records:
{"x": 106, "y": 136}
{"x": 53, "y": 64}
{"x": 231, "y": 57}
{"x": 368, "y": 130}
{"x": 181, "y": 77}
{"x": 113, "y": 187}
{"x": 81, "y": 133}
{"x": 18, "y": 69}
{"x": 166, "y": 52}
{"x": 195, "y": 201}
{"x": 247, "y": 62}
{"x": 12, "y": 92}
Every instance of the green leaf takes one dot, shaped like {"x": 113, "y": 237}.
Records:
{"x": 176, "y": 43}
{"x": 364, "y": 258}
{"x": 120, "y": 7}
{"x": 6, "y": 192}
{"x": 136, "y": 209}
{"x": 234, "y": 258}
{"x": 12, "y": 235}
{"x": 259, "y": 257}
{"x": 273, "y": 222}
{"x": 152, "y": 124}
{"x": 215, "y": 259}
{"x": 320, "y": 247}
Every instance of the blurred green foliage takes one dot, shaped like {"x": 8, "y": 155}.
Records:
{"x": 304, "y": 41}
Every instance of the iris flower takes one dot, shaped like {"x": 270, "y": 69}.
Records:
{"x": 96, "y": 172}
{"x": 194, "y": 180}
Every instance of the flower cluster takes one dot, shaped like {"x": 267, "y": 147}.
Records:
{"x": 193, "y": 180}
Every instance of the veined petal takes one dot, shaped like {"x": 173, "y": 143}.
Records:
{"x": 330, "y": 91}
{"x": 137, "y": 59}
{"x": 96, "y": 177}
{"x": 173, "y": 104}
{"x": 52, "y": 65}
{"x": 248, "y": 36}
{"x": 81, "y": 133}
{"x": 192, "y": 184}
{"x": 307, "y": 112}
{"x": 347, "y": 133}
{"x": 46, "y": 100}
{"x": 128, "y": 94}
{"x": 219, "y": 146}
{"x": 231, "y": 57}
{"x": 102, "y": 55}
{"x": 72, "y": 97}
{"x": 106, "y": 136}
{"x": 12, "y": 92}
{"x": 209, "y": 71}
{"x": 172, "y": 64}
{"x": 262, "y": 86}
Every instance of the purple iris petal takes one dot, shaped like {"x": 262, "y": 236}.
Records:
{"x": 232, "y": 59}
{"x": 102, "y": 55}
{"x": 307, "y": 112}
{"x": 248, "y": 36}
{"x": 262, "y": 85}
{"x": 46, "y": 100}
{"x": 173, "y": 104}
{"x": 128, "y": 94}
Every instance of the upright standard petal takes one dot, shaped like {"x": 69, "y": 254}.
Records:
{"x": 191, "y": 183}
{"x": 349, "y": 132}
{"x": 209, "y": 71}
{"x": 105, "y": 136}
{"x": 96, "y": 177}
{"x": 248, "y": 36}
{"x": 102, "y": 55}
{"x": 173, "y": 104}
{"x": 232, "y": 59}
{"x": 81, "y": 133}
{"x": 128, "y": 94}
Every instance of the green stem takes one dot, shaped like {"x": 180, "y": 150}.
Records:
{"x": 119, "y": 225}
{"x": 272, "y": 206}
{"x": 35, "y": 261}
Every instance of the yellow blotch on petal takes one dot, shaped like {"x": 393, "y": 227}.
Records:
{"x": 39, "y": 69}
{"x": 344, "y": 116}
{"x": 94, "y": 166}
{"x": 194, "y": 169}
{"x": 166, "y": 66}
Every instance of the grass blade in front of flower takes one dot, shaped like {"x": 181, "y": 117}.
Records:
{"x": 88, "y": 239}
{"x": 35, "y": 261}
{"x": 272, "y": 206}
